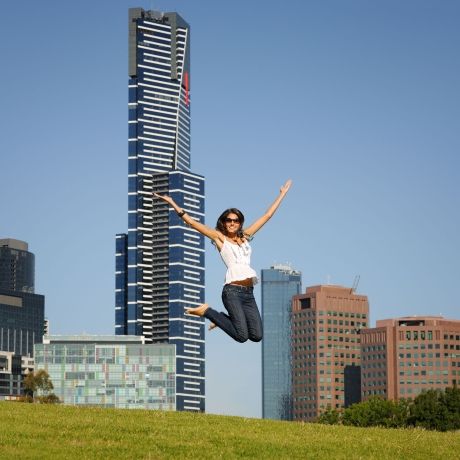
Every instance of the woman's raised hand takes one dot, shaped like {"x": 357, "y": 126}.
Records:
{"x": 284, "y": 188}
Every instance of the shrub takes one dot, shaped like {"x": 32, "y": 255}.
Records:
{"x": 49, "y": 399}
{"x": 330, "y": 417}
{"x": 432, "y": 409}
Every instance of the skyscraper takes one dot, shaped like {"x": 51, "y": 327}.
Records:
{"x": 17, "y": 266}
{"x": 278, "y": 284}
{"x": 160, "y": 261}
{"x": 401, "y": 357}
{"x": 21, "y": 310}
{"x": 326, "y": 326}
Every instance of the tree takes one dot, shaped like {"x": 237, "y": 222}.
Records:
{"x": 377, "y": 411}
{"x": 38, "y": 381}
{"x": 437, "y": 410}
{"x": 451, "y": 400}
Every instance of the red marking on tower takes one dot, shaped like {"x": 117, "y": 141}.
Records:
{"x": 186, "y": 85}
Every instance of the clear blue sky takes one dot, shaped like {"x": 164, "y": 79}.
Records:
{"x": 358, "y": 101}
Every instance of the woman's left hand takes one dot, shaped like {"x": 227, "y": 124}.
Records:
{"x": 284, "y": 189}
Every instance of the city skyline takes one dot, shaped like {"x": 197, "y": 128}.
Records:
{"x": 359, "y": 101}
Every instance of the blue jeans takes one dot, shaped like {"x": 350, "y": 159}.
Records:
{"x": 243, "y": 321}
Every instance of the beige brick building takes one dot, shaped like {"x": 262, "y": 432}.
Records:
{"x": 326, "y": 324}
{"x": 403, "y": 356}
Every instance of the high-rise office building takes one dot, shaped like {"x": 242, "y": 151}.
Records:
{"x": 160, "y": 261}
{"x": 401, "y": 357}
{"x": 17, "y": 266}
{"x": 326, "y": 325}
{"x": 21, "y": 310}
{"x": 278, "y": 284}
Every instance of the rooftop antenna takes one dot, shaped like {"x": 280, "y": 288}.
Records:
{"x": 355, "y": 284}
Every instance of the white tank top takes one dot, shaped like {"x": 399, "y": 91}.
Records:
{"x": 237, "y": 258}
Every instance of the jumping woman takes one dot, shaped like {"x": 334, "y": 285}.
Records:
{"x": 243, "y": 320}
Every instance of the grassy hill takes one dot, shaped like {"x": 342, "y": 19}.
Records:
{"x": 47, "y": 431}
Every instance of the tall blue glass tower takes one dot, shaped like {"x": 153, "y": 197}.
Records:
{"x": 160, "y": 261}
{"x": 279, "y": 284}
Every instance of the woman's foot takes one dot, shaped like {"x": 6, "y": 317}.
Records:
{"x": 198, "y": 311}
{"x": 212, "y": 326}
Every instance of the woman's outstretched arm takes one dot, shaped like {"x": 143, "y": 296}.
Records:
{"x": 259, "y": 223}
{"x": 198, "y": 226}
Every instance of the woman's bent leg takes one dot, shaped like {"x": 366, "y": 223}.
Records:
{"x": 253, "y": 319}
{"x": 234, "y": 324}
{"x": 213, "y": 326}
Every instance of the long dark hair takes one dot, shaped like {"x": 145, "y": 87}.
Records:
{"x": 220, "y": 225}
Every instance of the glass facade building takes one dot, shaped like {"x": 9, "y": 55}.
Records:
{"x": 21, "y": 310}
{"x": 11, "y": 375}
{"x": 17, "y": 266}
{"x": 21, "y": 321}
{"x": 109, "y": 371}
{"x": 279, "y": 284}
{"x": 160, "y": 261}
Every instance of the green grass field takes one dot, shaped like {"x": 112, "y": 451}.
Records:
{"x": 55, "y": 431}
